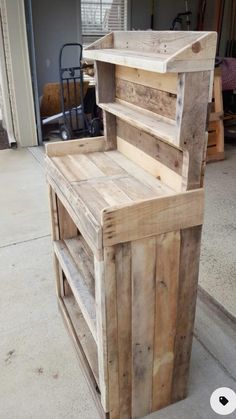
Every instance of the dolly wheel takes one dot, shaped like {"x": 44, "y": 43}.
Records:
{"x": 95, "y": 128}
{"x": 65, "y": 133}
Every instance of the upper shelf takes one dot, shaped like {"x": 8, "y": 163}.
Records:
{"x": 157, "y": 51}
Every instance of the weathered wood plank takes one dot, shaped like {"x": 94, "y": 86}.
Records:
{"x": 83, "y": 259}
{"x": 109, "y": 122}
{"x": 191, "y": 116}
{"x": 105, "y": 81}
{"x": 147, "y": 121}
{"x": 112, "y": 327}
{"x": 67, "y": 227}
{"x": 153, "y": 217}
{"x": 136, "y": 190}
{"x": 83, "y": 145}
{"x": 78, "y": 286}
{"x": 188, "y": 280}
{"x": 70, "y": 314}
{"x": 77, "y": 167}
{"x": 143, "y": 314}
{"x": 168, "y": 155}
{"x": 123, "y": 281}
{"x": 101, "y": 332}
{"x": 157, "y": 101}
{"x": 157, "y": 169}
{"x": 164, "y": 82}
{"x": 86, "y": 222}
{"x": 142, "y": 175}
{"x": 56, "y": 236}
{"x": 80, "y": 333}
{"x": 167, "y": 282}
{"x": 108, "y": 166}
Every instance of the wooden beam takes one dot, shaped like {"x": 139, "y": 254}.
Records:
{"x": 81, "y": 146}
{"x": 152, "y": 217}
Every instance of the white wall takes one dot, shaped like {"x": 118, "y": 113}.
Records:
{"x": 55, "y": 23}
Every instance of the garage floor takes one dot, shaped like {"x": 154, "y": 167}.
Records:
{"x": 40, "y": 376}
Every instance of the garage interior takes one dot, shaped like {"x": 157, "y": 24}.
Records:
{"x": 40, "y": 371}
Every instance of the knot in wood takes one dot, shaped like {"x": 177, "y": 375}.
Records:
{"x": 196, "y": 47}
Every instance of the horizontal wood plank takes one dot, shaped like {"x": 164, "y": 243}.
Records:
{"x": 165, "y": 153}
{"x": 147, "y": 121}
{"x": 152, "y": 217}
{"x": 157, "y": 101}
{"x": 83, "y": 145}
{"x": 157, "y": 169}
{"x": 164, "y": 82}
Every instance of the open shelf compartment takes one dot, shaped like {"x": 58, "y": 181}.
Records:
{"x": 77, "y": 264}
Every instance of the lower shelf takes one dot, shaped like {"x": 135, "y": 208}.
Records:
{"x": 84, "y": 337}
{"x": 77, "y": 266}
{"x": 85, "y": 346}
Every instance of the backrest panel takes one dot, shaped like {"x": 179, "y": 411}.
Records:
{"x": 155, "y": 156}
{"x": 140, "y": 88}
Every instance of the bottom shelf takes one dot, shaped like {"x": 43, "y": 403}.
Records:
{"x": 84, "y": 337}
{"x": 85, "y": 346}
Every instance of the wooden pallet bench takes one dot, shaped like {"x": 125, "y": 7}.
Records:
{"x": 127, "y": 212}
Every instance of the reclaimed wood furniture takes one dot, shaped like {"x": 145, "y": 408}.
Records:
{"x": 127, "y": 211}
{"x": 215, "y": 146}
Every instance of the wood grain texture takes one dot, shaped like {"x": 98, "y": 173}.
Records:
{"x": 101, "y": 332}
{"x": 166, "y": 300}
{"x": 152, "y": 217}
{"x": 157, "y": 101}
{"x": 84, "y": 145}
{"x": 84, "y": 220}
{"x": 168, "y": 155}
{"x": 105, "y": 81}
{"x": 123, "y": 281}
{"x": 109, "y": 122}
{"x": 188, "y": 280}
{"x": 164, "y": 82}
{"x": 75, "y": 278}
{"x": 112, "y": 327}
{"x": 67, "y": 228}
{"x": 56, "y": 236}
{"x": 146, "y": 121}
{"x": 191, "y": 115}
{"x": 143, "y": 320}
{"x": 159, "y": 51}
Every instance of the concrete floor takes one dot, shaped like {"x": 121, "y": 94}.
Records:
{"x": 218, "y": 260}
{"x": 40, "y": 375}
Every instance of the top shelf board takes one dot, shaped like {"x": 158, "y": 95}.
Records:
{"x": 157, "y": 51}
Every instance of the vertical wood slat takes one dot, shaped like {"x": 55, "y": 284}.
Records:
{"x": 167, "y": 279}
{"x": 55, "y": 236}
{"x": 112, "y": 330}
{"x": 191, "y": 118}
{"x": 67, "y": 228}
{"x": 143, "y": 317}
{"x": 62, "y": 228}
{"x": 123, "y": 281}
{"x": 101, "y": 331}
{"x": 105, "y": 93}
{"x": 105, "y": 82}
{"x": 110, "y": 130}
{"x": 188, "y": 280}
